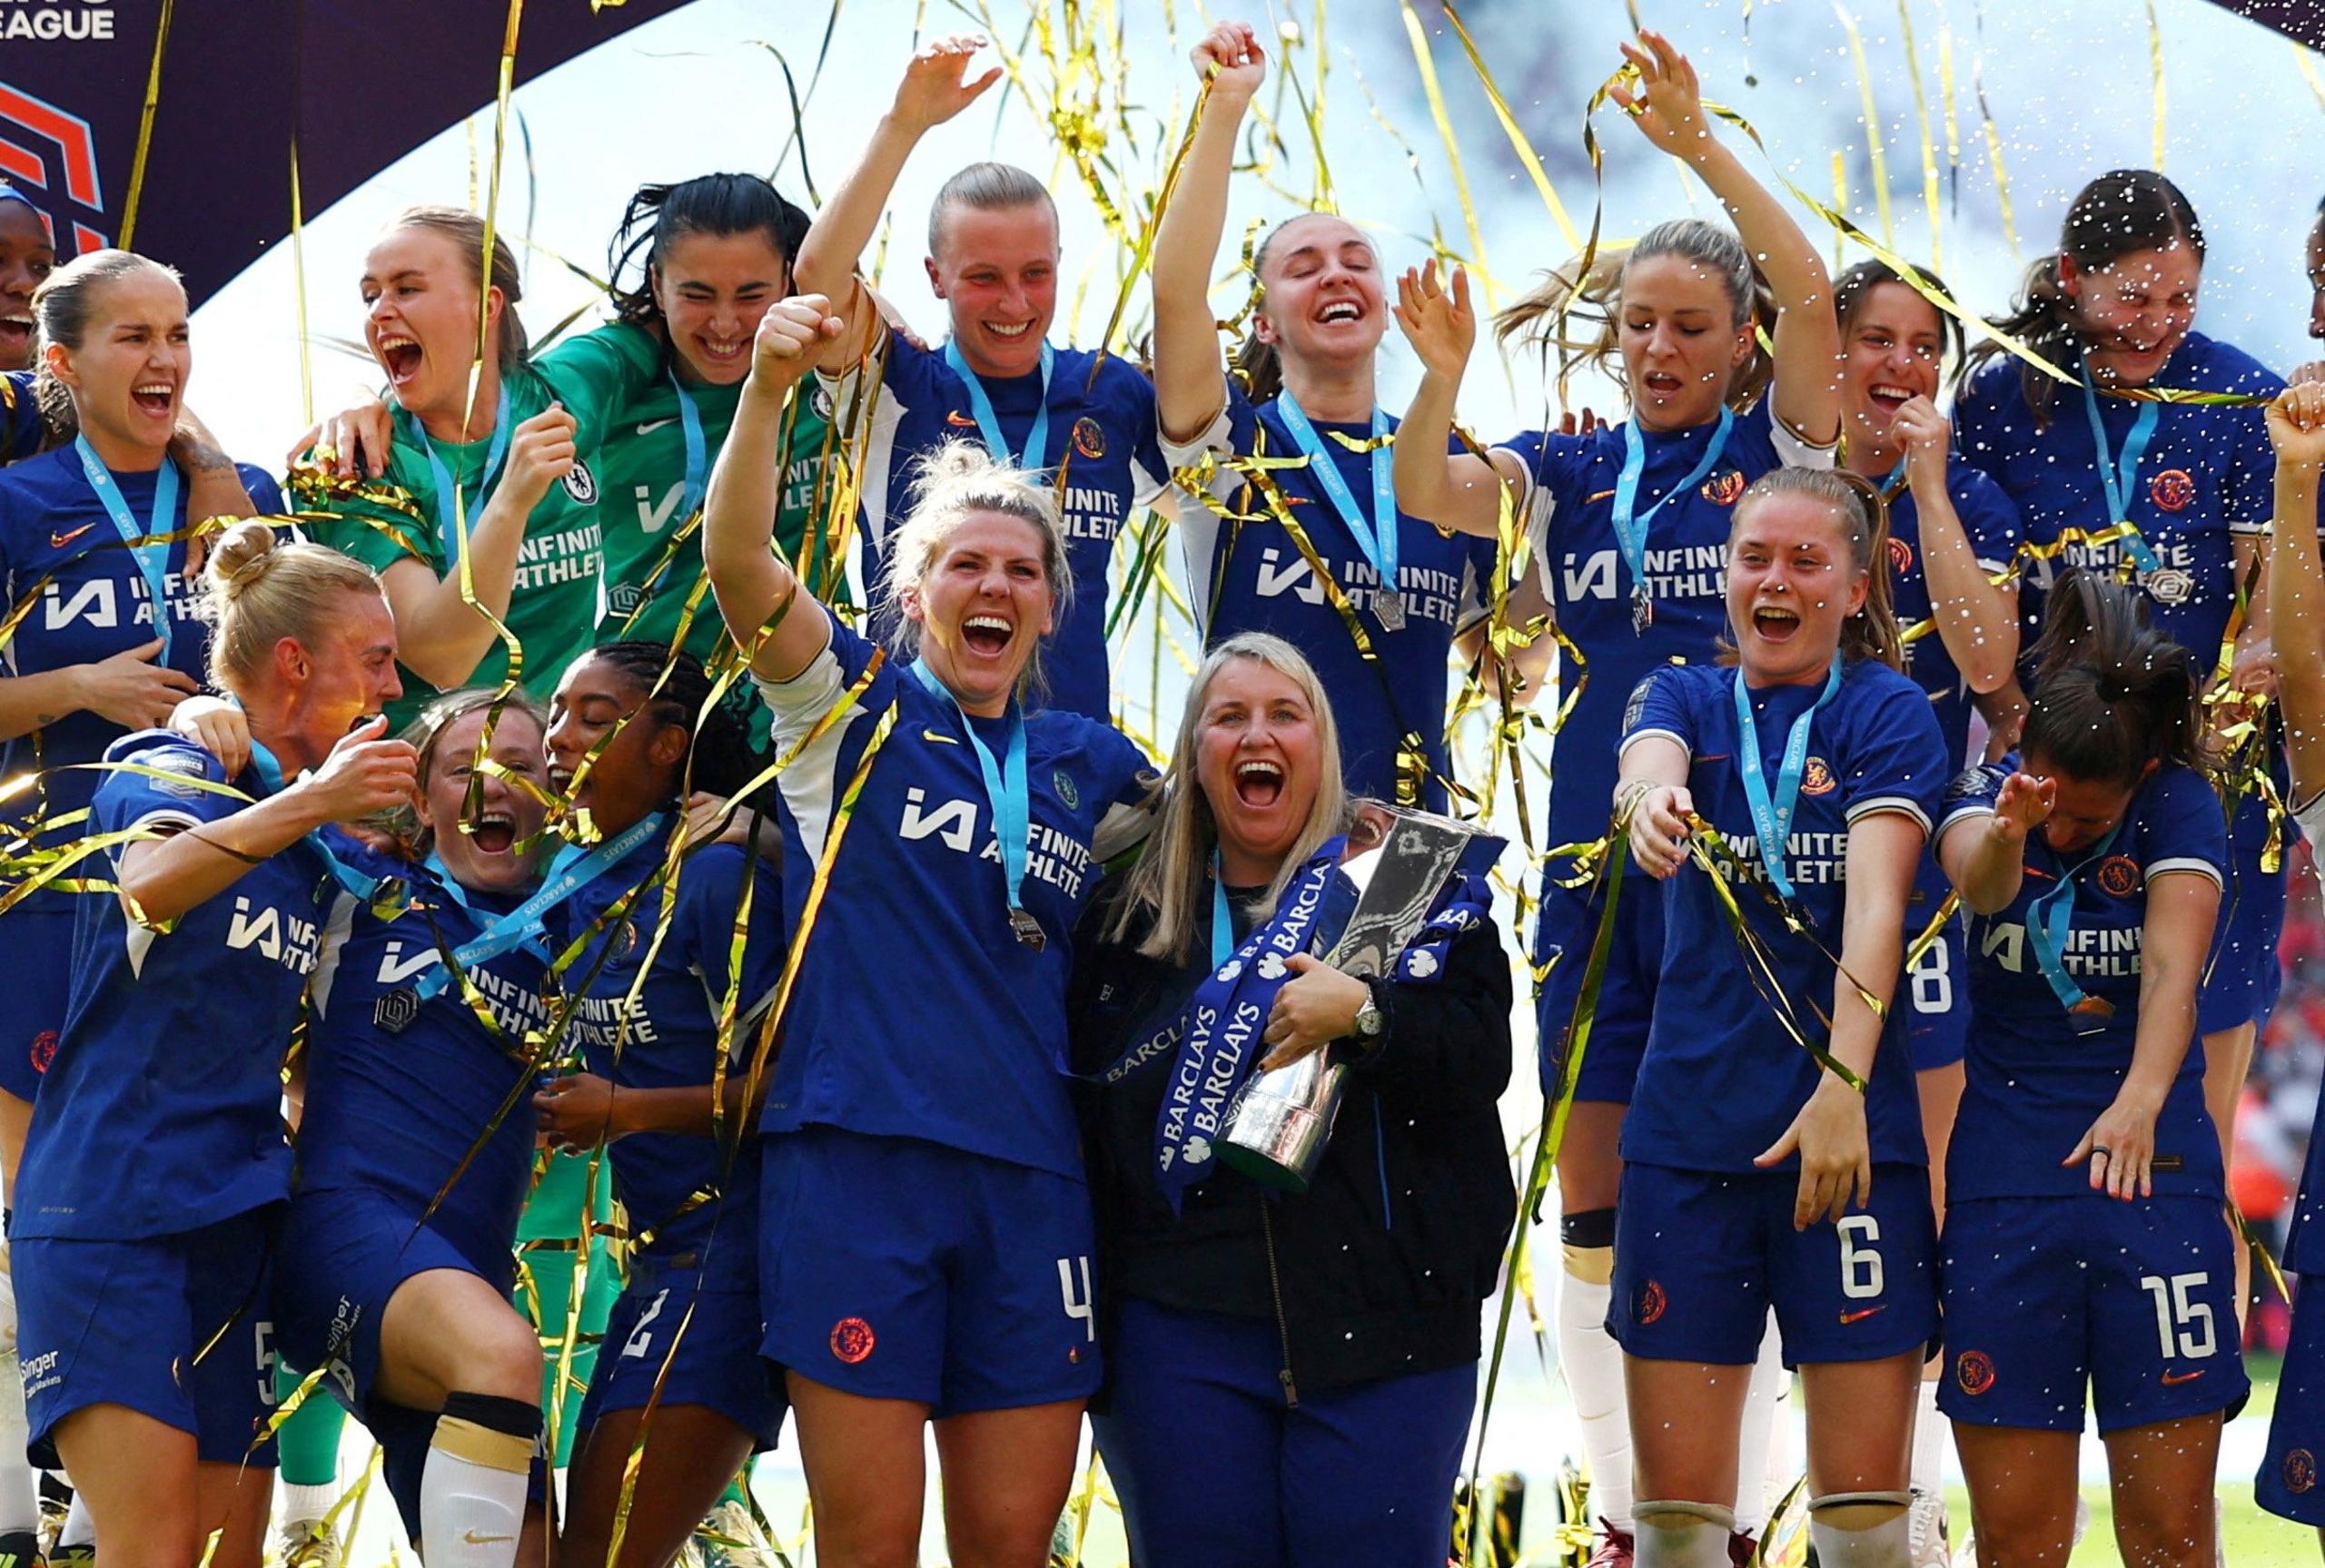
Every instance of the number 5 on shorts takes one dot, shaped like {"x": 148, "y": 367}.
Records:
{"x": 1860, "y": 1264}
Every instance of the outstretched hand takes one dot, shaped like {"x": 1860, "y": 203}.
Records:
{"x": 936, "y": 86}
{"x": 1668, "y": 104}
{"x": 1232, "y": 49}
{"x": 1436, "y": 318}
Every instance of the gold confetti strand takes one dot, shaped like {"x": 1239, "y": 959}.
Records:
{"x": 1992, "y": 134}
{"x": 1873, "y": 145}
{"x": 2302, "y": 58}
{"x": 1840, "y": 204}
{"x": 1321, "y": 198}
{"x": 1928, "y": 139}
{"x": 1518, "y": 142}
{"x": 299, "y": 286}
{"x": 1436, "y": 112}
{"x": 2155, "y": 69}
{"x": 145, "y": 127}
{"x": 1951, "y": 113}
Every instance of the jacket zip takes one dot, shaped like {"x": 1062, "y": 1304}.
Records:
{"x": 1276, "y": 1289}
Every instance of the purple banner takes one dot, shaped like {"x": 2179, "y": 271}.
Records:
{"x": 358, "y": 82}
{"x": 2301, "y": 19}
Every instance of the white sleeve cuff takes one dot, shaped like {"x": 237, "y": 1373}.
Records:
{"x": 2186, "y": 865}
{"x": 1872, "y": 805}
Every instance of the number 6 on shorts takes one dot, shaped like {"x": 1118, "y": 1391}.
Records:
{"x": 1860, "y": 1264}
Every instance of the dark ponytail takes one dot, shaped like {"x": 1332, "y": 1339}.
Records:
{"x": 2113, "y": 694}
{"x": 719, "y": 760}
{"x": 2121, "y": 213}
{"x": 714, "y": 204}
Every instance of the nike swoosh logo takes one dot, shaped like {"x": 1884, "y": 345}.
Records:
{"x": 1713, "y": 757}
{"x": 1861, "y": 1314}
{"x": 2174, "y": 1379}
{"x": 473, "y": 1538}
{"x": 959, "y": 421}
{"x": 58, "y": 541}
{"x": 928, "y": 735}
{"x": 653, "y": 425}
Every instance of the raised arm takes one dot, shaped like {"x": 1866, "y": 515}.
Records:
{"x": 1986, "y": 858}
{"x": 750, "y": 578}
{"x": 1189, "y": 379}
{"x": 934, "y": 89}
{"x": 1669, "y": 111}
{"x": 162, "y": 878}
{"x": 2297, "y": 430}
{"x": 1976, "y": 620}
{"x": 1450, "y": 489}
{"x": 440, "y": 636}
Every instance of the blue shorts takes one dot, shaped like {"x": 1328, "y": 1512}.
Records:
{"x": 713, "y": 1364}
{"x": 2055, "y": 1303}
{"x": 897, "y": 1270}
{"x": 1701, "y": 1255}
{"x": 1618, "y": 1043}
{"x": 40, "y": 977}
{"x": 346, "y": 1251}
{"x": 177, "y": 1327}
{"x": 2242, "y": 975}
{"x": 1937, "y": 993}
{"x": 2286, "y": 1485}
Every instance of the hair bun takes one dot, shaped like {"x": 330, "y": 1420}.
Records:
{"x": 241, "y": 555}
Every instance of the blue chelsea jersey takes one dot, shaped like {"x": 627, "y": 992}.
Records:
{"x": 89, "y": 600}
{"x": 1990, "y": 520}
{"x": 2206, "y": 475}
{"x": 917, "y": 1012}
{"x": 20, "y": 424}
{"x": 159, "y": 1113}
{"x": 1246, "y": 572}
{"x": 659, "y": 1029}
{"x": 1714, "y": 1041}
{"x": 403, "y": 1092}
{"x": 2036, "y": 1082}
{"x": 1569, "y": 511}
{"x": 1100, "y": 445}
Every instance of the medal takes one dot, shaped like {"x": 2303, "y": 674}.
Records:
{"x": 1027, "y": 930}
{"x": 1375, "y": 536}
{"x": 1389, "y": 604}
{"x": 1631, "y": 523}
{"x": 395, "y": 1010}
{"x": 1642, "y": 610}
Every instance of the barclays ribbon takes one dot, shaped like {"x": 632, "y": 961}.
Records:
{"x": 2120, "y": 473}
{"x": 1011, "y": 798}
{"x": 1375, "y": 536}
{"x": 1037, "y": 439}
{"x": 446, "y": 489}
{"x": 573, "y": 870}
{"x": 2049, "y": 921}
{"x": 151, "y": 546}
{"x": 1772, "y": 815}
{"x": 371, "y": 888}
{"x": 1631, "y": 524}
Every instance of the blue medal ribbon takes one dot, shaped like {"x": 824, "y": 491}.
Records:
{"x": 1011, "y": 799}
{"x": 1222, "y": 918}
{"x": 1037, "y": 439}
{"x": 151, "y": 547}
{"x": 697, "y": 451}
{"x": 1375, "y": 536}
{"x": 573, "y": 870}
{"x": 2049, "y": 919}
{"x": 2120, "y": 473}
{"x": 361, "y": 885}
{"x": 1772, "y": 816}
{"x": 1631, "y": 524}
{"x": 447, "y": 514}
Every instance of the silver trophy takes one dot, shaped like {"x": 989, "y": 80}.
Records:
{"x": 1281, "y": 1122}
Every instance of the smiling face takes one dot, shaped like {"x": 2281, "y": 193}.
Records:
{"x": 27, "y": 256}
{"x": 712, "y": 289}
{"x": 1258, "y": 760}
{"x": 984, "y": 603}
{"x": 1893, "y": 347}
{"x": 1325, "y": 303}
{"x": 2133, "y": 312}
{"x": 638, "y": 769}
{"x": 419, "y": 299}
{"x": 479, "y": 846}
{"x": 128, "y": 376}
{"x": 1682, "y": 349}
{"x": 1790, "y": 585}
{"x": 346, "y": 676}
{"x": 2085, "y": 810}
{"x": 996, "y": 271}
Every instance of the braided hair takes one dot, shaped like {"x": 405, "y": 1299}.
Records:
{"x": 719, "y": 757}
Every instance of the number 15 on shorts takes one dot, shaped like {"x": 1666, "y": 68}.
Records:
{"x": 1075, "y": 1293}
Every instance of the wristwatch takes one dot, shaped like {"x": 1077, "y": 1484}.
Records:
{"x": 1369, "y": 1021}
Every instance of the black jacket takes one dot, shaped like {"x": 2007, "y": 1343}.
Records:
{"x": 1381, "y": 1267}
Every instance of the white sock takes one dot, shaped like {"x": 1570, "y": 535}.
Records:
{"x": 471, "y": 1515}
{"x": 1929, "y": 1443}
{"x": 307, "y": 1504}
{"x": 19, "y": 1485}
{"x": 1594, "y": 1374}
{"x": 1770, "y": 1380}
{"x": 79, "y": 1530}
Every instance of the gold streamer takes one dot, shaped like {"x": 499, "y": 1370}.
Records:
{"x": 1929, "y": 144}
{"x": 1872, "y": 139}
{"x": 131, "y": 203}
